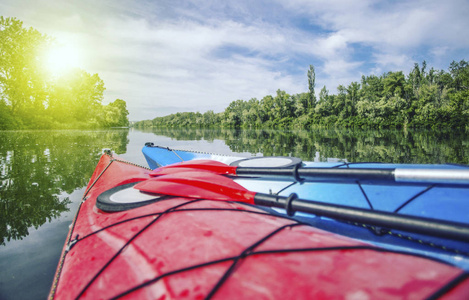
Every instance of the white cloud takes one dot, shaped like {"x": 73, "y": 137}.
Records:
{"x": 392, "y": 61}
{"x": 340, "y": 67}
{"x": 337, "y": 72}
{"x": 398, "y": 27}
{"x": 439, "y": 51}
{"x": 174, "y": 63}
{"x": 332, "y": 46}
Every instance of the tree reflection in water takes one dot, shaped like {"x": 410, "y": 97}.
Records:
{"x": 37, "y": 170}
{"x": 393, "y": 146}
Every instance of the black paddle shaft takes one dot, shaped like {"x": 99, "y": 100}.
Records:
{"x": 318, "y": 174}
{"x": 432, "y": 227}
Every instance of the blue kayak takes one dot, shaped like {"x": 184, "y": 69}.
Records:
{"x": 423, "y": 196}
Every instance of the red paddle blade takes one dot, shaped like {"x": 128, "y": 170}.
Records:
{"x": 199, "y": 185}
{"x": 204, "y": 165}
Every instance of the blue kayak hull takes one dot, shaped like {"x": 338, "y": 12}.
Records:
{"x": 436, "y": 201}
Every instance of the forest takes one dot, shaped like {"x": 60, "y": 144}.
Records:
{"x": 423, "y": 98}
{"x": 33, "y": 98}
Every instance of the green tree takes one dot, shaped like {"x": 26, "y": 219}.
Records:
{"x": 267, "y": 106}
{"x": 283, "y": 108}
{"x": 250, "y": 115}
{"x": 76, "y": 96}
{"x": 311, "y": 86}
{"x": 6, "y": 119}
{"x": 324, "y": 107}
{"x": 339, "y": 106}
{"x": 22, "y": 80}
{"x": 352, "y": 98}
{"x": 115, "y": 114}
{"x": 459, "y": 93}
{"x": 233, "y": 113}
{"x": 393, "y": 84}
{"x": 210, "y": 118}
{"x": 301, "y": 104}
{"x": 371, "y": 88}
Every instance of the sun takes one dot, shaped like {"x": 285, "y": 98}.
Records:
{"x": 62, "y": 58}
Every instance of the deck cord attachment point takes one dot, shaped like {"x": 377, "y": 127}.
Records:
{"x": 288, "y": 202}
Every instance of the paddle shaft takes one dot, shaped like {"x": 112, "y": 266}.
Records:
{"x": 443, "y": 229}
{"x": 425, "y": 176}
{"x": 429, "y": 175}
{"x": 206, "y": 185}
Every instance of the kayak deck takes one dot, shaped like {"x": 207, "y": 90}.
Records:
{"x": 184, "y": 248}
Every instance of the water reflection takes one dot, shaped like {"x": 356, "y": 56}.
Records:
{"x": 394, "y": 146}
{"x": 38, "y": 169}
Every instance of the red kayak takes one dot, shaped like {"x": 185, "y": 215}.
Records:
{"x": 127, "y": 244}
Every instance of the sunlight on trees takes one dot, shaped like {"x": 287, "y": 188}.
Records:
{"x": 41, "y": 85}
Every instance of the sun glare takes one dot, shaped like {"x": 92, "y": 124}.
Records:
{"x": 62, "y": 59}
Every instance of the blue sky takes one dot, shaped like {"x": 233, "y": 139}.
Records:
{"x": 162, "y": 57}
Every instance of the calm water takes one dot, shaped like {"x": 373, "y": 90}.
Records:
{"x": 44, "y": 173}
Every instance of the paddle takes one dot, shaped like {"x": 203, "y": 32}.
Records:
{"x": 207, "y": 185}
{"x": 396, "y": 175}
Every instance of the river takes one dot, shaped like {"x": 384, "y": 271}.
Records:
{"x": 44, "y": 174}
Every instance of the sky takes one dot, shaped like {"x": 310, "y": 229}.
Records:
{"x": 168, "y": 56}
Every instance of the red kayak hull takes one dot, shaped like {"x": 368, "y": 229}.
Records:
{"x": 180, "y": 248}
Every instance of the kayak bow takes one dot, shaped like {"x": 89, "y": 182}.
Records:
{"x": 175, "y": 247}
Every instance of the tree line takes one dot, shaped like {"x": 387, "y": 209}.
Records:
{"x": 31, "y": 97}
{"x": 424, "y": 98}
